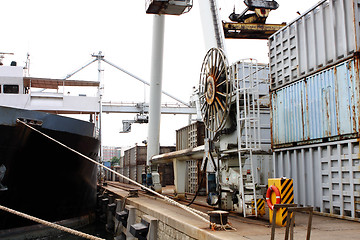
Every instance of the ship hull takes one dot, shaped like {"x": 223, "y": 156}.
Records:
{"x": 43, "y": 178}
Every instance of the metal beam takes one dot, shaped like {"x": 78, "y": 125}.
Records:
{"x": 136, "y": 108}
{"x": 250, "y": 30}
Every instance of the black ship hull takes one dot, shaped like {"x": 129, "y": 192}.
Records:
{"x": 44, "y": 179}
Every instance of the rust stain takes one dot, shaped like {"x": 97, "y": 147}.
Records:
{"x": 356, "y": 91}
{"x": 328, "y": 129}
{"x": 273, "y": 108}
{"x": 307, "y": 112}
{"x": 337, "y": 101}
{"x": 352, "y": 109}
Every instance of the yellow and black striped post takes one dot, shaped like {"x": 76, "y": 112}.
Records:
{"x": 260, "y": 203}
{"x": 286, "y": 189}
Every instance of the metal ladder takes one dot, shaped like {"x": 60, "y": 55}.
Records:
{"x": 246, "y": 88}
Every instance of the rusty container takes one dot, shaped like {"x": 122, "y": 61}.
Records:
{"x": 319, "y": 108}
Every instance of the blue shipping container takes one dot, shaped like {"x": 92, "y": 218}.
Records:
{"x": 323, "y": 105}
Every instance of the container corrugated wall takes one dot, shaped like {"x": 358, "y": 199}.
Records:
{"x": 137, "y": 155}
{"x": 188, "y": 137}
{"x": 134, "y": 161}
{"x": 126, "y": 173}
{"x": 140, "y": 171}
{"x": 323, "y": 105}
{"x": 326, "y": 176}
{"x": 133, "y": 173}
{"x": 121, "y": 171}
{"x": 324, "y": 35}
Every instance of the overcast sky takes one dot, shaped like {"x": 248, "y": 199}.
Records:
{"x": 61, "y": 36}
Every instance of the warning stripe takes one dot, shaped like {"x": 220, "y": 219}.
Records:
{"x": 287, "y": 182}
{"x": 283, "y": 180}
{"x": 283, "y": 222}
{"x": 287, "y": 194}
{"x": 286, "y": 188}
{"x": 284, "y": 213}
{"x": 261, "y": 203}
{"x": 289, "y": 199}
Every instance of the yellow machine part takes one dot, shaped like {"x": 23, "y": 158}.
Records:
{"x": 260, "y": 203}
{"x": 286, "y": 189}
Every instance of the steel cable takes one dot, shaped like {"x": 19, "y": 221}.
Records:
{"x": 50, "y": 224}
{"x": 195, "y": 212}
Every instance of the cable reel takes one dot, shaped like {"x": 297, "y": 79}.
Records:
{"x": 215, "y": 90}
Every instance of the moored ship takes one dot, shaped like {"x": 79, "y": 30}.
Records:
{"x": 37, "y": 175}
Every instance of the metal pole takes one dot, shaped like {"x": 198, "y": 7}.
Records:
{"x": 155, "y": 87}
{"x": 143, "y": 81}
{"x": 78, "y": 70}
{"x": 101, "y": 92}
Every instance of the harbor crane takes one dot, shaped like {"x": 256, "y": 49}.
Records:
{"x": 230, "y": 99}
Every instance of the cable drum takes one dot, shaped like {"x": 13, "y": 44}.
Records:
{"x": 215, "y": 90}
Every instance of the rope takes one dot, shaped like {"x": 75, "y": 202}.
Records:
{"x": 53, "y": 225}
{"x": 195, "y": 212}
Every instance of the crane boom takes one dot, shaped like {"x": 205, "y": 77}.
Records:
{"x": 213, "y": 33}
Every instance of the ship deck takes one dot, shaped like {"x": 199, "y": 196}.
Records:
{"x": 175, "y": 222}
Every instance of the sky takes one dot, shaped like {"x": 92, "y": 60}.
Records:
{"x": 60, "y": 37}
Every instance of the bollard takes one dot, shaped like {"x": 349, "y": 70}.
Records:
{"x": 145, "y": 230}
{"x": 104, "y": 203}
{"x": 110, "y": 216}
{"x": 117, "y": 223}
{"x": 131, "y": 221}
{"x": 140, "y": 230}
{"x": 153, "y": 228}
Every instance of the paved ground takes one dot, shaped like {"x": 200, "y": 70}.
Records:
{"x": 322, "y": 227}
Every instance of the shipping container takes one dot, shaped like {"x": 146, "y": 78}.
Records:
{"x": 133, "y": 173}
{"x": 324, "y": 35}
{"x": 326, "y": 176}
{"x": 166, "y": 172}
{"x": 167, "y": 149}
{"x": 190, "y": 136}
{"x": 121, "y": 171}
{"x": 140, "y": 170}
{"x": 192, "y": 176}
{"x": 321, "y": 107}
{"x": 127, "y": 157}
{"x": 126, "y": 173}
{"x": 121, "y": 162}
{"x": 137, "y": 155}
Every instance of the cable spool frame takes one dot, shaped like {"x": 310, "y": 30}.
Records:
{"x": 215, "y": 90}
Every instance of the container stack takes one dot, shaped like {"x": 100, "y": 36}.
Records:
{"x": 134, "y": 163}
{"x": 315, "y": 104}
{"x": 189, "y": 137}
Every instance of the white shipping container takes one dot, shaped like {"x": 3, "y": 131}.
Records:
{"x": 324, "y": 35}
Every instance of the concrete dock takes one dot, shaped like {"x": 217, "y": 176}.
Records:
{"x": 175, "y": 223}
